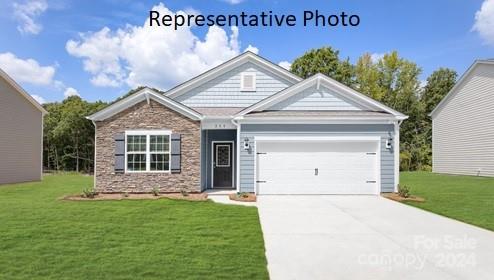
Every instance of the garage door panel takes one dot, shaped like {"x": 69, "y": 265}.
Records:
{"x": 322, "y": 168}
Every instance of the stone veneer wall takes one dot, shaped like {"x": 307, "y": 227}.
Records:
{"x": 144, "y": 116}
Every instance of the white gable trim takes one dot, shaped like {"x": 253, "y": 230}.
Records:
{"x": 144, "y": 95}
{"x": 320, "y": 79}
{"x": 458, "y": 84}
{"x": 229, "y": 65}
{"x": 19, "y": 89}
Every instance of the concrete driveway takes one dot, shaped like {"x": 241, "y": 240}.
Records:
{"x": 369, "y": 237}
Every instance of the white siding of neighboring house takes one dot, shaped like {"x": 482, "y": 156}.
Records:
{"x": 463, "y": 130}
{"x": 224, "y": 91}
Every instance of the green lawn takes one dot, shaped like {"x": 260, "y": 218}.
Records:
{"x": 42, "y": 237}
{"x": 466, "y": 198}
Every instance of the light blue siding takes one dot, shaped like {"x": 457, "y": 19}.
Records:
{"x": 247, "y": 157}
{"x": 224, "y": 91}
{"x": 314, "y": 99}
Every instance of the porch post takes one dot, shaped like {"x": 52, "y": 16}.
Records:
{"x": 238, "y": 158}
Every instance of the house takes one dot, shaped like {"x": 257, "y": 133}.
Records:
{"x": 251, "y": 126}
{"x": 21, "y": 133}
{"x": 463, "y": 124}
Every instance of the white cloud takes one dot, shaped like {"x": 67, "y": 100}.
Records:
{"x": 484, "y": 22}
{"x": 285, "y": 64}
{"x": 375, "y": 57}
{"x": 153, "y": 56}
{"x": 192, "y": 11}
{"x": 234, "y": 2}
{"x": 251, "y": 48}
{"x": 27, "y": 71}
{"x": 422, "y": 84}
{"x": 70, "y": 91}
{"x": 38, "y": 98}
{"x": 27, "y": 13}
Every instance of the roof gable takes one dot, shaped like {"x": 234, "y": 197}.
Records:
{"x": 22, "y": 92}
{"x": 315, "y": 98}
{"x": 144, "y": 94}
{"x": 459, "y": 84}
{"x": 357, "y": 99}
{"x": 225, "y": 90}
{"x": 229, "y": 66}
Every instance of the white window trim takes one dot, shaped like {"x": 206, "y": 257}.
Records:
{"x": 242, "y": 86}
{"x": 148, "y": 153}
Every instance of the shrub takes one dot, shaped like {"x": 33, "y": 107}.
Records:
{"x": 155, "y": 191}
{"x": 403, "y": 191}
{"x": 88, "y": 193}
{"x": 243, "y": 194}
{"x": 427, "y": 168}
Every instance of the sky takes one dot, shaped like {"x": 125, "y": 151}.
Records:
{"x": 101, "y": 49}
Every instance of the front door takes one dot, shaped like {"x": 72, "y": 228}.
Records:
{"x": 222, "y": 164}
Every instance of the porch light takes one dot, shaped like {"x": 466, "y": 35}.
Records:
{"x": 246, "y": 143}
{"x": 389, "y": 142}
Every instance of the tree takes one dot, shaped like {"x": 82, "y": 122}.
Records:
{"x": 367, "y": 77}
{"x": 326, "y": 61}
{"x": 439, "y": 83}
{"x": 68, "y": 135}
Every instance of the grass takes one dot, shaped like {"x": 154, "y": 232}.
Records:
{"x": 466, "y": 198}
{"x": 42, "y": 237}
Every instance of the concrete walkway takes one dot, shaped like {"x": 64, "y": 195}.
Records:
{"x": 369, "y": 237}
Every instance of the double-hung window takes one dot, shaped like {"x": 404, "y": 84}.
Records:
{"x": 147, "y": 151}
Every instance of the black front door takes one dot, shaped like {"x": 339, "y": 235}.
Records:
{"x": 222, "y": 165}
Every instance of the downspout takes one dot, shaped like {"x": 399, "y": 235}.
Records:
{"x": 397, "y": 154}
{"x": 237, "y": 175}
{"x": 94, "y": 160}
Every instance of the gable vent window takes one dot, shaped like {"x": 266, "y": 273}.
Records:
{"x": 248, "y": 82}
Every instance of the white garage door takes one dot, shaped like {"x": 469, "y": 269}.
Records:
{"x": 317, "y": 167}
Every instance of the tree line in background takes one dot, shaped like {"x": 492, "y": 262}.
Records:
{"x": 390, "y": 79}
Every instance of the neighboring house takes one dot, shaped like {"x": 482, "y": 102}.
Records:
{"x": 21, "y": 133}
{"x": 251, "y": 126}
{"x": 463, "y": 124}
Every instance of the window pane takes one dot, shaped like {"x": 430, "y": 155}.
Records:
{"x": 159, "y": 143}
{"x": 136, "y": 162}
{"x": 136, "y": 143}
{"x": 160, "y": 162}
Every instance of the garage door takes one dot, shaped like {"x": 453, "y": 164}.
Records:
{"x": 317, "y": 167}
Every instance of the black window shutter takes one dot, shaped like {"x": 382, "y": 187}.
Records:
{"x": 175, "y": 153}
{"x": 119, "y": 153}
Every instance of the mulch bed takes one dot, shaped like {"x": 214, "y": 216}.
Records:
{"x": 396, "y": 197}
{"x": 250, "y": 197}
{"x": 140, "y": 196}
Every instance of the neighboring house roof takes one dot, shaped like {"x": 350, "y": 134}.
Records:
{"x": 458, "y": 85}
{"x": 211, "y": 112}
{"x": 144, "y": 94}
{"x": 228, "y": 66}
{"x": 318, "y": 80}
{"x": 19, "y": 89}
